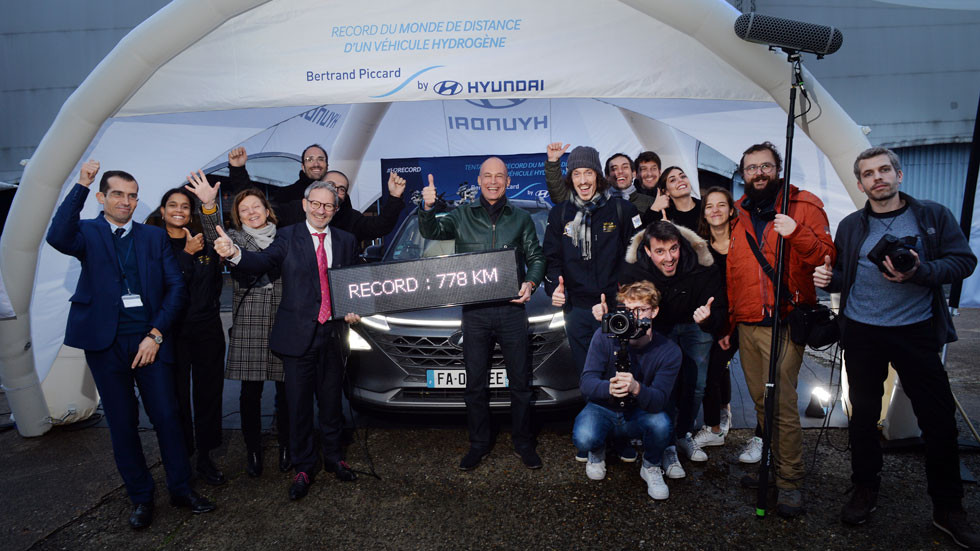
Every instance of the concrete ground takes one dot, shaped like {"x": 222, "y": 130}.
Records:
{"x": 62, "y": 491}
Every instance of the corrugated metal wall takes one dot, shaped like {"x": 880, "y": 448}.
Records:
{"x": 936, "y": 172}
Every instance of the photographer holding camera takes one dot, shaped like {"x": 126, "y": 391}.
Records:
{"x": 628, "y": 394}
{"x": 893, "y": 257}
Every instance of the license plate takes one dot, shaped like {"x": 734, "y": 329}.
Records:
{"x": 456, "y": 378}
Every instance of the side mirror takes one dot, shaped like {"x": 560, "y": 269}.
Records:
{"x": 374, "y": 253}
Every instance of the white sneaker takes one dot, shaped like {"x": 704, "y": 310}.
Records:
{"x": 595, "y": 469}
{"x": 672, "y": 465}
{"x": 691, "y": 448}
{"x": 752, "y": 453}
{"x": 656, "y": 486}
{"x": 726, "y": 419}
{"x": 705, "y": 438}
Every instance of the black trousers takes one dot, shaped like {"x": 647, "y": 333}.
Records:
{"x": 913, "y": 352}
{"x": 318, "y": 373}
{"x": 506, "y": 324}
{"x": 250, "y": 410}
{"x": 718, "y": 385}
{"x": 200, "y": 349}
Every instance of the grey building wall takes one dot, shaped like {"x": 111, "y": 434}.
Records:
{"x": 911, "y": 74}
{"x": 48, "y": 48}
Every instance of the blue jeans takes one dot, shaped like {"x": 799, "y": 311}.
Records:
{"x": 594, "y": 423}
{"x": 696, "y": 347}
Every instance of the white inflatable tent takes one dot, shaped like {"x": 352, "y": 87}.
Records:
{"x": 385, "y": 79}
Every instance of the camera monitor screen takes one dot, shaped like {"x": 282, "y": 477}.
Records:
{"x": 451, "y": 280}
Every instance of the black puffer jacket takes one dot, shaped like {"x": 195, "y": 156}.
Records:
{"x": 697, "y": 279}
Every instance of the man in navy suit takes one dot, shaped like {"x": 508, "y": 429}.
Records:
{"x": 127, "y": 296}
{"x": 312, "y": 347}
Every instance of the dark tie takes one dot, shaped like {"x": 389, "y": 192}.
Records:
{"x": 119, "y": 232}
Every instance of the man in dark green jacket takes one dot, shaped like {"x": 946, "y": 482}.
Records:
{"x": 491, "y": 223}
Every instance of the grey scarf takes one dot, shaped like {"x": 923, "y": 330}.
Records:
{"x": 581, "y": 227}
{"x": 623, "y": 193}
{"x": 263, "y": 236}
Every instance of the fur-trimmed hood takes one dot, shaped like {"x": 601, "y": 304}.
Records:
{"x": 700, "y": 246}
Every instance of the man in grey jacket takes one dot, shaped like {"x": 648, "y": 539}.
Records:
{"x": 894, "y": 312}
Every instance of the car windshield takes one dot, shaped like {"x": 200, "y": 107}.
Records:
{"x": 410, "y": 245}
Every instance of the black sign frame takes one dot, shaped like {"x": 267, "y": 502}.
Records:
{"x": 499, "y": 266}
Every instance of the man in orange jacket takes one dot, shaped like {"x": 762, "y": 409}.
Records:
{"x": 751, "y": 301}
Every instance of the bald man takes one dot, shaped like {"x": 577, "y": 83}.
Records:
{"x": 487, "y": 224}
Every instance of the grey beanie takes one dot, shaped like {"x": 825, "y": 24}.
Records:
{"x": 584, "y": 156}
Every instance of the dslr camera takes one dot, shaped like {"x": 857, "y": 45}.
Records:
{"x": 623, "y": 325}
{"x": 896, "y": 248}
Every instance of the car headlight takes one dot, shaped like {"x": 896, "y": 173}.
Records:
{"x": 554, "y": 321}
{"x": 357, "y": 342}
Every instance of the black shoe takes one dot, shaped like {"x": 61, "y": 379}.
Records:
{"x": 342, "y": 471}
{"x": 196, "y": 503}
{"x": 752, "y": 481}
{"x": 300, "y": 486}
{"x": 864, "y": 501}
{"x": 253, "y": 466}
{"x": 957, "y": 525}
{"x": 285, "y": 462}
{"x": 142, "y": 515}
{"x": 472, "y": 459}
{"x": 208, "y": 471}
{"x": 529, "y": 457}
{"x": 789, "y": 504}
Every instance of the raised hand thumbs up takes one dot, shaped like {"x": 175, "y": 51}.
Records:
{"x": 660, "y": 203}
{"x": 223, "y": 244}
{"x": 194, "y": 243}
{"x": 601, "y": 309}
{"x": 558, "y": 297}
{"x": 703, "y": 312}
{"x": 429, "y": 194}
{"x": 823, "y": 273}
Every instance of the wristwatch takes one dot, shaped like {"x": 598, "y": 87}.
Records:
{"x": 156, "y": 338}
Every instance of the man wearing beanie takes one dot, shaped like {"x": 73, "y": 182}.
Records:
{"x": 585, "y": 244}
{"x": 619, "y": 174}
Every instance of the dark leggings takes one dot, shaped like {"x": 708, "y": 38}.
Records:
{"x": 250, "y": 409}
{"x": 718, "y": 387}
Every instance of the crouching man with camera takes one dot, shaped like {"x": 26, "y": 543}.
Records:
{"x": 893, "y": 257}
{"x": 627, "y": 381}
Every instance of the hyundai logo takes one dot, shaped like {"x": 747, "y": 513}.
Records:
{"x": 456, "y": 340}
{"x": 496, "y": 103}
{"x": 447, "y": 88}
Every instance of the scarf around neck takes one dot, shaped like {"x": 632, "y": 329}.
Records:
{"x": 581, "y": 227}
{"x": 263, "y": 236}
{"x": 623, "y": 193}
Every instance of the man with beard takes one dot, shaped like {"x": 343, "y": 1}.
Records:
{"x": 752, "y": 303}
{"x": 894, "y": 311}
{"x": 288, "y": 200}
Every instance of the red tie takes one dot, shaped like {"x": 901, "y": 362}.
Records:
{"x": 321, "y": 263}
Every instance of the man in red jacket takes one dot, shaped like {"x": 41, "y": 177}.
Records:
{"x": 751, "y": 301}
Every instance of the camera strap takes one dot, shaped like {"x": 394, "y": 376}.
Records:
{"x": 766, "y": 266}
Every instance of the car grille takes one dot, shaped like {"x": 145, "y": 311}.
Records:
{"x": 455, "y": 395}
{"x": 418, "y": 354}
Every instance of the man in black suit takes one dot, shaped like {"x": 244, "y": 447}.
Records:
{"x": 312, "y": 347}
{"x": 128, "y": 294}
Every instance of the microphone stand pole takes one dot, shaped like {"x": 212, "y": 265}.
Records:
{"x": 765, "y": 464}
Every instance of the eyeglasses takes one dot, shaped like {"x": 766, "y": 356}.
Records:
{"x": 311, "y": 158}
{"x": 642, "y": 312}
{"x": 764, "y": 167}
{"x": 341, "y": 188}
{"x": 316, "y": 205}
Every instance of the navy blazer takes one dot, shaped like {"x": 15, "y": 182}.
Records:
{"x": 94, "y": 314}
{"x": 292, "y": 253}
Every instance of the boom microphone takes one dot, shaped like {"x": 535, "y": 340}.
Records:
{"x": 788, "y": 34}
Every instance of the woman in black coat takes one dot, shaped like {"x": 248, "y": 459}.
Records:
{"x": 199, "y": 338}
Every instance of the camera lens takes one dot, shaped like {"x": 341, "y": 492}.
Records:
{"x": 619, "y": 324}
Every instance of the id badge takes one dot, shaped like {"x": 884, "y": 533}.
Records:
{"x": 132, "y": 301}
